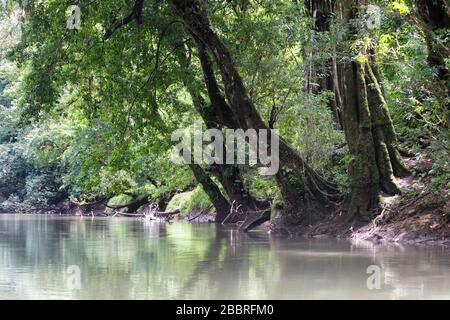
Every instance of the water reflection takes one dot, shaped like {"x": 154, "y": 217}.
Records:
{"x": 133, "y": 259}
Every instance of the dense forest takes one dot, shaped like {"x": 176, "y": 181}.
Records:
{"x": 358, "y": 91}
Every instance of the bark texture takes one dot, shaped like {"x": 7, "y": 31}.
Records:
{"x": 216, "y": 115}
{"x": 212, "y": 190}
{"x": 299, "y": 184}
{"x": 362, "y": 111}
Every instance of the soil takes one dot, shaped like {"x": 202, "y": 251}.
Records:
{"x": 418, "y": 216}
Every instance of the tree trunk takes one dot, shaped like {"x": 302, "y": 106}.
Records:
{"x": 217, "y": 116}
{"x": 381, "y": 118}
{"x": 367, "y": 125}
{"x": 298, "y": 182}
{"x": 229, "y": 175}
{"x": 212, "y": 190}
{"x": 363, "y": 169}
{"x": 321, "y": 13}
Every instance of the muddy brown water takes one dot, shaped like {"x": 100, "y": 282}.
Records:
{"x": 51, "y": 257}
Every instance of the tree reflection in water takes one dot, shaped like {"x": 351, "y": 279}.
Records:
{"x": 124, "y": 259}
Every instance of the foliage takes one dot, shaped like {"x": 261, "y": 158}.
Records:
{"x": 191, "y": 201}
{"x": 418, "y": 101}
{"x": 86, "y": 117}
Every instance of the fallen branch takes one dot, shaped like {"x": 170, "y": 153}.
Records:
{"x": 167, "y": 213}
{"x": 131, "y": 215}
{"x": 234, "y": 212}
{"x": 94, "y": 214}
{"x": 157, "y": 214}
{"x": 255, "y": 219}
{"x": 195, "y": 216}
{"x": 132, "y": 206}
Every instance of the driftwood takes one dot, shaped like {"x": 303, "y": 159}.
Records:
{"x": 132, "y": 206}
{"x": 195, "y": 217}
{"x": 166, "y": 214}
{"x": 251, "y": 219}
{"x": 87, "y": 204}
{"x": 93, "y": 213}
{"x": 131, "y": 215}
{"x": 235, "y": 213}
{"x": 152, "y": 213}
{"x": 254, "y": 219}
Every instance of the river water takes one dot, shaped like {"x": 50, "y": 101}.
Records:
{"x": 47, "y": 257}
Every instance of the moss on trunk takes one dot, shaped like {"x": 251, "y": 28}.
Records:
{"x": 363, "y": 169}
{"x": 212, "y": 190}
{"x": 381, "y": 118}
{"x": 216, "y": 115}
{"x": 365, "y": 117}
{"x": 246, "y": 116}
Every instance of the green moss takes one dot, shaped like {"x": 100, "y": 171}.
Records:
{"x": 179, "y": 200}
{"x": 187, "y": 202}
{"x": 119, "y": 200}
{"x": 293, "y": 179}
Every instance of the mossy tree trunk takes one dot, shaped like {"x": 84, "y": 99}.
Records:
{"x": 229, "y": 175}
{"x": 363, "y": 170}
{"x": 362, "y": 112}
{"x": 367, "y": 128}
{"x": 218, "y": 115}
{"x": 216, "y": 197}
{"x": 299, "y": 184}
{"x": 203, "y": 176}
{"x": 381, "y": 119}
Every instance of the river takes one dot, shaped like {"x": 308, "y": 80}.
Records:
{"x": 51, "y": 257}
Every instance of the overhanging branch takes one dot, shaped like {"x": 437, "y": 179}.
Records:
{"x": 136, "y": 15}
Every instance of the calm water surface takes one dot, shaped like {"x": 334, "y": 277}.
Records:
{"x": 135, "y": 259}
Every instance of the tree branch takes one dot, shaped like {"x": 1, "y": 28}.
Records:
{"x": 136, "y": 14}
{"x": 220, "y": 108}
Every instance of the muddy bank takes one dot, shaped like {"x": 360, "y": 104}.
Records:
{"x": 423, "y": 220}
{"x": 418, "y": 216}
{"x": 99, "y": 209}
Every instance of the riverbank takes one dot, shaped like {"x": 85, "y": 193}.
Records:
{"x": 423, "y": 220}
{"x": 68, "y": 208}
{"x": 418, "y": 216}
